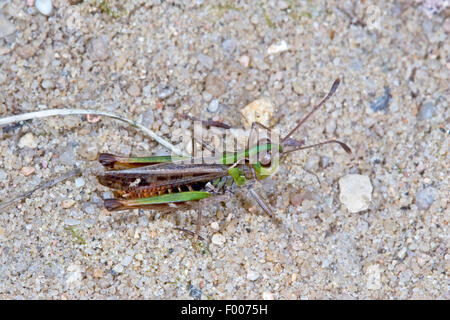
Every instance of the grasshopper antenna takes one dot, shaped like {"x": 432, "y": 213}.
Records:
{"x": 343, "y": 145}
{"x": 332, "y": 91}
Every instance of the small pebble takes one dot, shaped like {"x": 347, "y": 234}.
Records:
{"x": 68, "y": 157}
{"x": 134, "y": 90}
{"x": 297, "y": 87}
{"x": 229, "y": 46}
{"x": 356, "y": 64}
{"x": 195, "y": 293}
{"x": 98, "y": 49}
{"x": 3, "y": 175}
{"x": 218, "y": 239}
{"x": 139, "y": 257}
{"x": 205, "y": 61}
{"x": 165, "y": 92}
{"x": 66, "y": 204}
{"x": 355, "y": 192}
{"x": 126, "y": 261}
{"x": 447, "y": 25}
{"x": 88, "y": 151}
{"x": 117, "y": 269}
{"x": 44, "y": 6}
{"x": 278, "y": 47}
{"x": 298, "y": 197}
{"x": 215, "y": 226}
{"x": 324, "y": 162}
{"x": 28, "y": 140}
{"x": 381, "y": 103}
{"x": 260, "y": 110}
{"x": 71, "y": 222}
{"x": 215, "y": 86}
{"x": 259, "y": 63}
{"x": 146, "y": 91}
{"x": 71, "y": 122}
{"x": 74, "y": 274}
{"x": 402, "y": 253}
{"x": 267, "y": 295}
{"x": 252, "y": 275}
{"x": 426, "y": 111}
{"x": 148, "y": 118}
{"x": 425, "y": 198}
{"x": 98, "y": 273}
{"x": 88, "y": 208}
{"x": 330, "y": 126}
{"x": 244, "y": 61}
{"x": 213, "y": 106}
{"x": 79, "y": 182}
{"x": 47, "y": 84}
{"x": 92, "y": 118}
{"x": 26, "y": 171}
{"x": 6, "y": 27}
{"x": 26, "y": 51}
{"x": 373, "y": 277}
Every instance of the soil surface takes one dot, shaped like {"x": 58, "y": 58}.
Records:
{"x": 369, "y": 225}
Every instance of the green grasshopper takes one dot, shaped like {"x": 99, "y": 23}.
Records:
{"x": 167, "y": 183}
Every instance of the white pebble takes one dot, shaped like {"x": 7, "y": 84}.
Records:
{"x": 28, "y": 140}
{"x": 252, "y": 275}
{"x": 260, "y": 110}
{"x": 139, "y": 257}
{"x": 218, "y": 239}
{"x": 44, "y": 6}
{"x": 267, "y": 295}
{"x": 73, "y": 275}
{"x": 215, "y": 225}
{"x": 126, "y": 261}
{"x": 373, "y": 277}
{"x": 205, "y": 61}
{"x": 71, "y": 222}
{"x": 79, "y": 182}
{"x": 425, "y": 198}
{"x": 47, "y": 84}
{"x": 278, "y": 47}
{"x": 244, "y": 61}
{"x": 213, "y": 106}
{"x": 3, "y": 175}
{"x": 426, "y": 111}
{"x": 6, "y": 27}
{"x": 355, "y": 192}
{"x": 402, "y": 253}
{"x": 118, "y": 268}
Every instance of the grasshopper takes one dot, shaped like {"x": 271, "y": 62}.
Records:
{"x": 167, "y": 183}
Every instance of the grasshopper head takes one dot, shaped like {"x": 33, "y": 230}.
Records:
{"x": 269, "y": 151}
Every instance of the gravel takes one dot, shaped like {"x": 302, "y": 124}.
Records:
{"x": 381, "y": 103}
{"x": 355, "y": 192}
{"x": 425, "y": 198}
{"x": 28, "y": 140}
{"x": 253, "y": 275}
{"x": 153, "y": 61}
{"x": 426, "y": 111}
{"x": 205, "y": 61}
{"x": 44, "y": 6}
{"x": 218, "y": 239}
{"x": 6, "y": 27}
{"x": 213, "y": 106}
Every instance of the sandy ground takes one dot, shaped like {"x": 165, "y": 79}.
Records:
{"x": 154, "y": 60}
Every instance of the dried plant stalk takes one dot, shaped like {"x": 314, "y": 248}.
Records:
{"x": 65, "y": 112}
